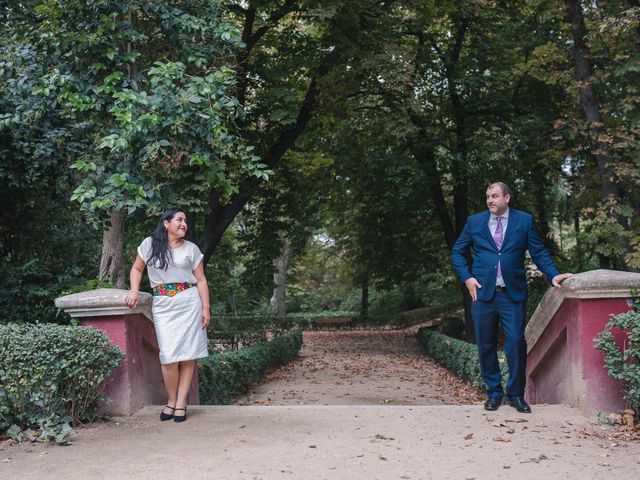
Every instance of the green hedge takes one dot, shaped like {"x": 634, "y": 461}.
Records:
{"x": 305, "y": 320}
{"x": 623, "y": 361}
{"x": 51, "y": 376}
{"x": 242, "y": 323}
{"x": 227, "y": 374}
{"x": 424, "y": 314}
{"x": 458, "y": 356}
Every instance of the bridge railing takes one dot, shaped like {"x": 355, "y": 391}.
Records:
{"x": 562, "y": 364}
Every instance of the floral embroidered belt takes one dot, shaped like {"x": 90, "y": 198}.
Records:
{"x": 171, "y": 289}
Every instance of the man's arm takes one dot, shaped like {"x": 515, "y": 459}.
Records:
{"x": 459, "y": 261}
{"x": 459, "y": 253}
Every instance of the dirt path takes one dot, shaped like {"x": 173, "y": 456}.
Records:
{"x": 361, "y": 368}
{"x": 315, "y": 442}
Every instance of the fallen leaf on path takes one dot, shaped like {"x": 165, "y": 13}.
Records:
{"x": 516, "y": 420}
{"x": 468, "y": 436}
{"x": 502, "y": 439}
{"x": 536, "y": 460}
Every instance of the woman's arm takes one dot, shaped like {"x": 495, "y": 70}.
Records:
{"x": 203, "y": 290}
{"x": 134, "y": 280}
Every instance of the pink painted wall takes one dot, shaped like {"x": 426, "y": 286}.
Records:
{"x": 118, "y": 386}
{"x": 601, "y": 391}
{"x": 564, "y": 367}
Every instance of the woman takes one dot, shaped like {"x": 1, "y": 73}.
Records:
{"x": 180, "y": 305}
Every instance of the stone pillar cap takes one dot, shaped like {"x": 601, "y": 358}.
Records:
{"x": 600, "y": 284}
{"x": 102, "y": 302}
{"x": 592, "y": 284}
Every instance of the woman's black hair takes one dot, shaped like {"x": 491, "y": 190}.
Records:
{"x": 160, "y": 251}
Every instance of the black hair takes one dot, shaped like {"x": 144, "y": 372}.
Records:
{"x": 160, "y": 251}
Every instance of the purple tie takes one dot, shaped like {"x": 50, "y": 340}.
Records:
{"x": 498, "y": 236}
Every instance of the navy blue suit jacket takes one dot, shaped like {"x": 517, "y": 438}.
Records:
{"x": 521, "y": 235}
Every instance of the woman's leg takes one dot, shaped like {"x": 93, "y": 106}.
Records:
{"x": 186, "y": 373}
{"x": 171, "y": 376}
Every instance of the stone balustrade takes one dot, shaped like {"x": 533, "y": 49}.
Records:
{"x": 562, "y": 364}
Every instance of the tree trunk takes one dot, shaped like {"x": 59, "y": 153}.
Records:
{"x": 600, "y": 145}
{"x": 233, "y": 304}
{"x": 279, "y": 298}
{"x": 459, "y": 167}
{"x": 540, "y": 185}
{"x": 364, "y": 301}
{"x": 221, "y": 215}
{"x": 425, "y": 156}
{"x": 111, "y": 262}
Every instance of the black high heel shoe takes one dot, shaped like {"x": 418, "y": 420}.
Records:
{"x": 165, "y": 416}
{"x": 180, "y": 418}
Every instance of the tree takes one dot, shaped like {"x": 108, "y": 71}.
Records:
{"x": 145, "y": 88}
{"x": 44, "y": 246}
{"x": 599, "y": 136}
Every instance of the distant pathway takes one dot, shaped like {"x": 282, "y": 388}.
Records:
{"x": 361, "y": 368}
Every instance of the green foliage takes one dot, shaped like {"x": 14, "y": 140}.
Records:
{"x": 305, "y": 320}
{"x": 458, "y": 356}
{"x": 622, "y": 358}
{"x": 536, "y": 289}
{"x": 30, "y": 288}
{"x": 224, "y": 375}
{"x": 44, "y": 248}
{"x": 93, "y": 284}
{"x": 52, "y": 376}
{"x": 142, "y": 89}
{"x": 452, "y": 326}
{"x": 236, "y": 332}
{"x": 245, "y": 323}
{"x": 415, "y": 107}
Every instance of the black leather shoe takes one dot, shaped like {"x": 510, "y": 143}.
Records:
{"x": 520, "y": 405}
{"x": 492, "y": 404}
{"x": 180, "y": 418}
{"x": 166, "y": 416}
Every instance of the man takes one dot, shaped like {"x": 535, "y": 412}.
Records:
{"x": 497, "y": 282}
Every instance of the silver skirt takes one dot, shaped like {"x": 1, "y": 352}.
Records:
{"x": 179, "y": 331}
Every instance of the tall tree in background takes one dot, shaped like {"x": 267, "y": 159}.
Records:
{"x": 599, "y": 133}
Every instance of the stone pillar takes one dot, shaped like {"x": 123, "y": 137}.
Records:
{"x": 562, "y": 364}
{"x": 138, "y": 381}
